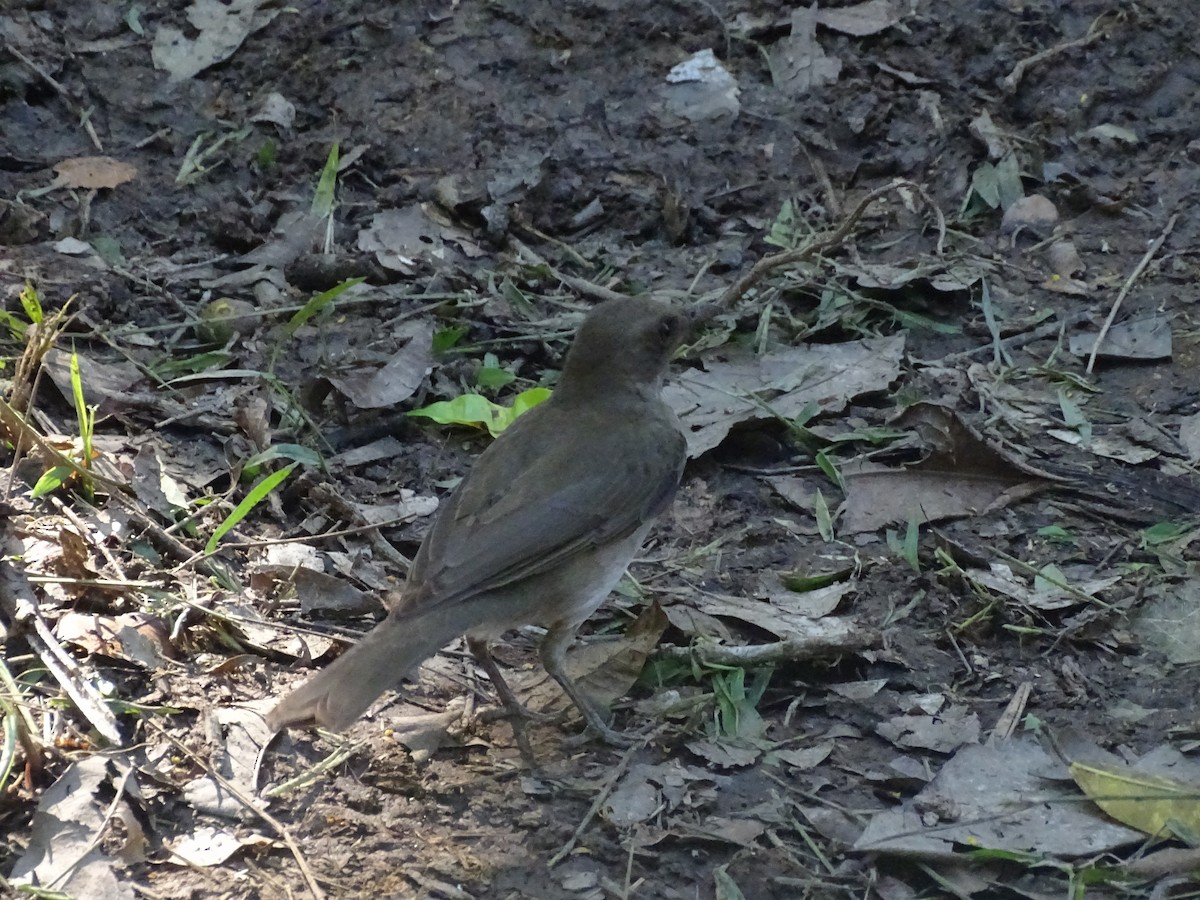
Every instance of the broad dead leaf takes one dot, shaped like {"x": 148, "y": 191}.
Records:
{"x": 745, "y": 387}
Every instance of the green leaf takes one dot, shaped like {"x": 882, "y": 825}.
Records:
{"x": 80, "y": 405}
{"x": 1049, "y": 580}
{"x": 999, "y": 185}
{"x": 917, "y": 322}
{"x": 1056, "y": 533}
{"x": 725, "y": 888}
{"x": 295, "y": 452}
{"x": 267, "y": 154}
{"x": 14, "y": 325}
{"x": 477, "y": 411}
{"x": 783, "y": 229}
{"x": 256, "y": 495}
{"x": 51, "y": 481}
{"x": 1073, "y": 416}
{"x": 491, "y": 379}
{"x": 318, "y": 303}
{"x": 527, "y": 400}
{"x": 824, "y": 519}
{"x": 322, "y": 203}
{"x": 802, "y": 584}
{"x": 826, "y": 464}
{"x": 31, "y": 304}
{"x": 907, "y": 547}
{"x": 134, "y": 21}
{"x": 191, "y": 365}
{"x": 1163, "y": 533}
{"x": 445, "y": 339}
{"x": 807, "y": 413}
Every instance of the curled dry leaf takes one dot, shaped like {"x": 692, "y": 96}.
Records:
{"x": 1035, "y": 212}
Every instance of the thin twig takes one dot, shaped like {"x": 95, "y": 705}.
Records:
{"x": 68, "y": 871}
{"x": 769, "y": 264}
{"x": 66, "y": 672}
{"x": 617, "y": 774}
{"x": 1094, "y": 33}
{"x": 247, "y": 801}
{"x": 579, "y": 285}
{"x": 1154, "y": 247}
{"x": 83, "y": 116}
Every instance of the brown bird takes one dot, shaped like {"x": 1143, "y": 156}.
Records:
{"x": 540, "y": 530}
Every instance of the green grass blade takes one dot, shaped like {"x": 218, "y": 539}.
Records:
{"x": 256, "y": 495}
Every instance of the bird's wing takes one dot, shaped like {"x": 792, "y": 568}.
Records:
{"x": 535, "y": 499}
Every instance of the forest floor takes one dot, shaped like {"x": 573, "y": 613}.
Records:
{"x": 924, "y": 619}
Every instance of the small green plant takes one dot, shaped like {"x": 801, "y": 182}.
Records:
{"x": 85, "y": 417}
{"x": 256, "y": 495}
{"x": 1163, "y": 533}
{"x": 33, "y": 312}
{"x": 907, "y": 547}
{"x": 823, "y": 517}
{"x": 993, "y": 186}
{"x": 267, "y": 155}
{"x": 323, "y": 196}
{"x": 196, "y": 162}
{"x": 736, "y": 714}
{"x": 1056, "y": 533}
{"x": 787, "y": 230}
{"x": 1074, "y": 417}
{"x": 446, "y": 339}
{"x": 735, "y": 691}
{"x": 318, "y": 304}
{"x": 490, "y": 376}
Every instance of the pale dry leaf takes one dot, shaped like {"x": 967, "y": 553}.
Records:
{"x": 1144, "y": 338}
{"x": 745, "y": 387}
{"x": 970, "y": 804}
{"x": 1189, "y": 436}
{"x": 209, "y": 845}
{"x": 724, "y": 754}
{"x": 93, "y": 172}
{"x": 701, "y": 88}
{"x": 62, "y": 848}
{"x": 1035, "y": 213}
{"x": 803, "y": 758}
{"x": 798, "y": 62}
{"x": 996, "y": 139}
{"x": 221, "y": 27}
{"x": 1064, "y": 259}
{"x": 862, "y": 19}
{"x": 603, "y": 670}
{"x": 398, "y": 379}
{"x": 942, "y": 734}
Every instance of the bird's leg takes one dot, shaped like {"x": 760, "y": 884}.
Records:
{"x": 553, "y": 652}
{"x": 516, "y": 711}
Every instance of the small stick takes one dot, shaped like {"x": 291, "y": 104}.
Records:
{"x": 248, "y": 802}
{"x": 72, "y": 106}
{"x": 1155, "y": 246}
{"x": 603, "y": 795}
{"x": 768, "y": 264}
{"x": 1094, "y": 33}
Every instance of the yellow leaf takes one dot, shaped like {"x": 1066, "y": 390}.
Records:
{"x": 1149, "y": 803}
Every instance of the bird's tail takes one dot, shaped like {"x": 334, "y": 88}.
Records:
{"x": 341, "y": 692}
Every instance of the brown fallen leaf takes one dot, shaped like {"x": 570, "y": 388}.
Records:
{"x": 93, "y": 172}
